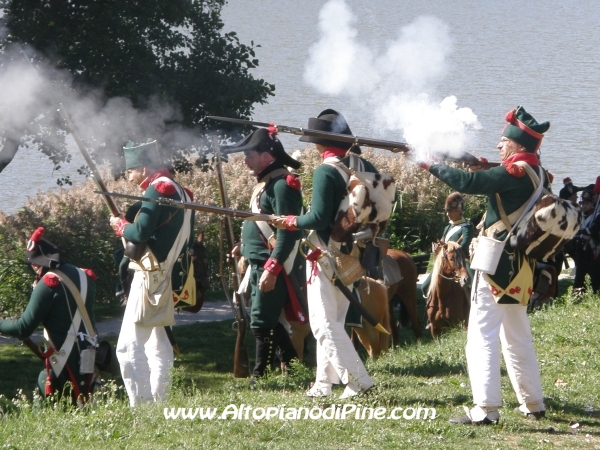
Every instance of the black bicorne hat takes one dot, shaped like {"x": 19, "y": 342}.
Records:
{"x": 42, "y": 252}
{"x": 333, "y": 122}
{"x": 263, "y": 140}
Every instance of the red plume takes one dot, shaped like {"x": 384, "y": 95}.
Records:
{"x": 272, "y": 129}
{"x": 37, "y": 234}
{"x": 510, "y": 116}
{"x": 597, "y": 186}
{"x": 567, "y": 180}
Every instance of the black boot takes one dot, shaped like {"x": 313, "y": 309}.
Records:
{"x": 264, "y": 350}
{"x": 285, "y": 349}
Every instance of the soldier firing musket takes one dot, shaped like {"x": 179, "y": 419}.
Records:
{"x": 392, "y": 146}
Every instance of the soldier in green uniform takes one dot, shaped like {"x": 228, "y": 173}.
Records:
{"x": 337, "y": 359}
{"x": 499, "y": 303}
{"x": 458, "y": 230}
{"x": 275, "y": 272}
{"x": 52, "y": 305}
{"x": 143, "y": 349}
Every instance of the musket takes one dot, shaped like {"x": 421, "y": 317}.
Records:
{"x": 395, "y": 147}
{"x": 132, "y": 249}
{"x": 33, "y": 347}
{"x": 110, "y": 204}
{"x": 321, "y": 258}
{"x": 241, "y": 362}
{"x": 392, "y": 146}
{"x": 228, "y": 212}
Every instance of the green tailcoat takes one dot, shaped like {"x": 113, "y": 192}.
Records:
{"x": 158, "y": 226}
{"x": 281, "y": 199}
{"x": 52, "y": 307}
{"x": 329, "y": 188}
{"x": 513, "y": 191}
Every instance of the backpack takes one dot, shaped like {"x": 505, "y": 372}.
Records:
{"x": 368, "y": 202}
{"x": 545, "y": 229}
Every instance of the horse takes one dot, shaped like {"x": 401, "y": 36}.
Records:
{"x": 374, "y": 298}
{"x": 447, "y": 301}
{"x": 405, "y": 291}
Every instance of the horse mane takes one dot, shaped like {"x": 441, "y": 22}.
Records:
{"x": 435, "y": 273}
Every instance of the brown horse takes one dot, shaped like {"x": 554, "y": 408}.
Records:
{"x": 374, "y": 298}
{"x": 447, "y": 301}
{"x": 406, "y": 291}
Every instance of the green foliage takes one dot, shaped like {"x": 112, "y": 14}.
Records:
{"x": 15, "y": 277}
{"x": 171, "y": 60}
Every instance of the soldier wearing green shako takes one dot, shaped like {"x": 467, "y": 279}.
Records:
{"x": 499, "y": 302}
{"x": 275, "y": 273}
{"x": 143, "y": 349}
{"x": 53, "y": 305}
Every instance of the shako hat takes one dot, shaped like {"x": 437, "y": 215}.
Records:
{"x": 333, "y": 122}
{"x": 264, "y": 140}
{"x": 139, "y": 155}
{"x": 454, "y": 201}
{"x": 524, "y": 129}
{"x": 42, "y": 252}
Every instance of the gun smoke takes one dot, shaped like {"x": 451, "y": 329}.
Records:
{"x": 397, "y": 83}
{"x": 30, "y": 94}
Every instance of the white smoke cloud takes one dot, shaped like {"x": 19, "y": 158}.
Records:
{"x": 398, "y": 83}
{"x": 27, "y": 93}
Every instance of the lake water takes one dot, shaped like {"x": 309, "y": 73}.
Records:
{"x": 543, "y": 55}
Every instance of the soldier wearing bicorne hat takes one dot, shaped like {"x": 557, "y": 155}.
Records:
{"x": 499, "y": 307}
{"x": 275, "y": 275}
{"x": 337, "y": 360}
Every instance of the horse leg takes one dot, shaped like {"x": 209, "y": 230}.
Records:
{"x": 391, "y": 316}
{"x": 298, "y": 335}
{"x": 409, "y": 300}
{"x": 363, "y": 337}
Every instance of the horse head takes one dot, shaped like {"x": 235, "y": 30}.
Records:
{"x": 453, "y": 263}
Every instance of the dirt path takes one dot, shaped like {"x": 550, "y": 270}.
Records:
{"x": 210, "y": 312}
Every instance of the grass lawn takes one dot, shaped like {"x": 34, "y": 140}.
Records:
{"x": 426, "y": 374}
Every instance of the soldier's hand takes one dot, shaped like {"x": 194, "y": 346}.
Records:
{"x": 267, "y": 281}
{"x": 118, "y": 224}
{"x": 278, "y": 223}
{"x": 236, "y": 250}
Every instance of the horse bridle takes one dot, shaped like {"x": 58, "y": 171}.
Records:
{"x": 455, "y": 277}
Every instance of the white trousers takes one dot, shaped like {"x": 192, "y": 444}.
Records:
{"x": 144, "y": 353}
{"x": 337, "y": 359}
{"x": 492, "y": 325}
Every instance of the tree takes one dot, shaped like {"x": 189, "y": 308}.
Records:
{"x": 130, "y": 70}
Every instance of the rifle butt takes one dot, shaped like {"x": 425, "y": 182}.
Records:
{"x": 241, "y": 360}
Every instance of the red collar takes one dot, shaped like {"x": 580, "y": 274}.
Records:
{"x": 333, "y": 151}
{"x": 518, "y": 171}
{"x": 529, "y": 158}
{"x": 162, "y": 172}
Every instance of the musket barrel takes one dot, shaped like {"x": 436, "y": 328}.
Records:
{"x": 88, "y": 159}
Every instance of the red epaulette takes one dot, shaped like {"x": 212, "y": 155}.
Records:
{"x": 515, "y": 170}
{"x": 164, "y": 188}
{"x": 293, "y": 181}
{"x": 190, "y": 193}
{"x": 90, "y": 273}
{"x": 51, "y": 280}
